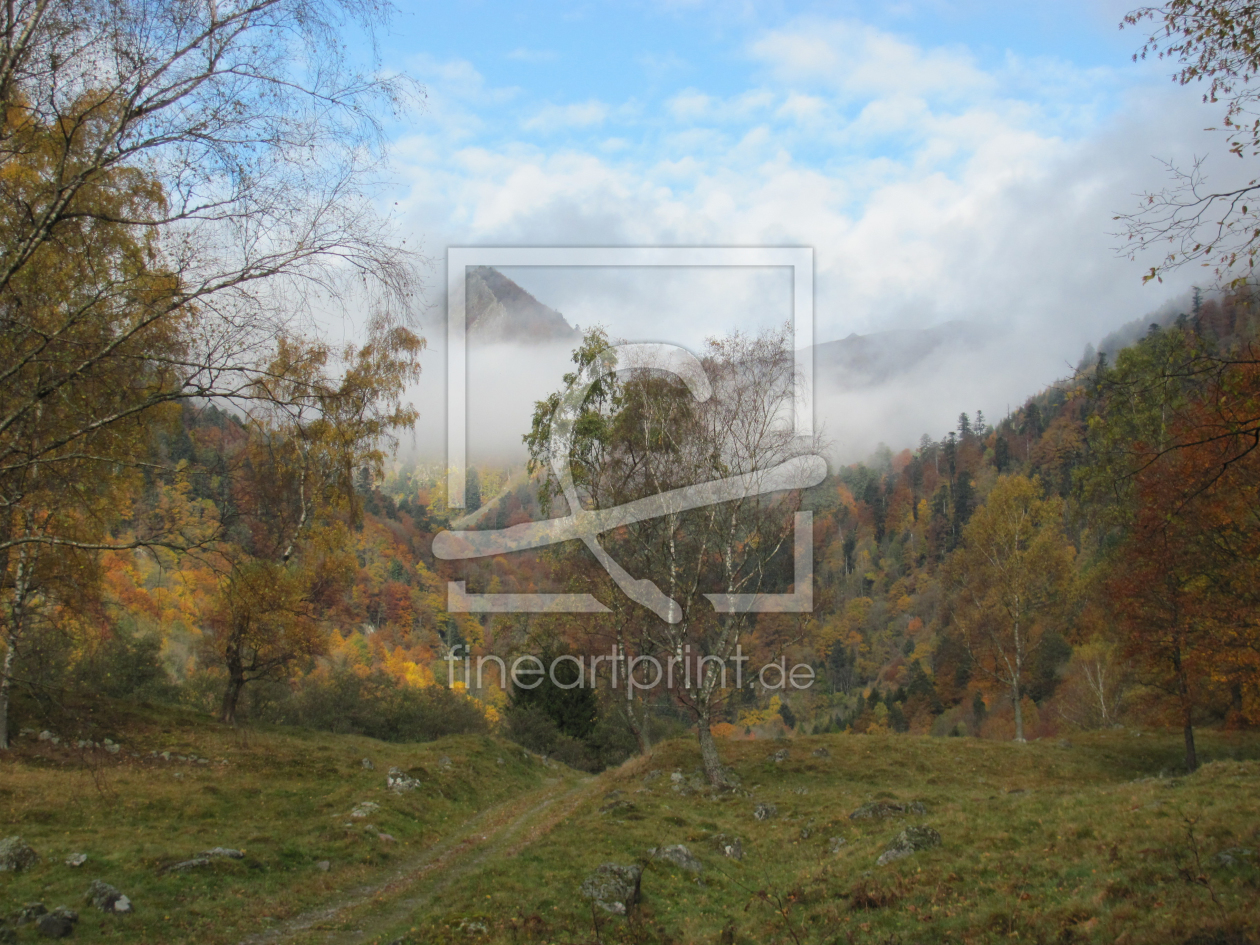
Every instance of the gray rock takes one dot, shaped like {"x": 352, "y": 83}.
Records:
{"x": 835, "y": 843}
{"x": 652, "y": 775}
{"x": 613, "y": 887}
{"x": 1234, "y": 855}
{"x": 323, "y": 866}
{"x": 444, "y": 763}
{"x": 197, "y": 862}
{"x": 821, "y": 753}
{"x": 226, "y": 852}
{"x": 76, "y": 859}
{"x": 29, "y": 913}
{"x": 365, "y": 809}
{"x": 46, "y": 736}
{"x": 883, "y": 809}
{"x": 113, "y": 749}
{"x": 500, "y": 761}
{"x": 781, "y": 756}
{"x": 680, "y": 856}
{"x": 765, "y": 811}
{"x": 122, "y": 904}
{"x": 400, "y": 783}
{"x": 732, "y": 849}
{"x": 57, "y": 924}
{"x": 909, "y": 842}
{"x": 367, "y": 764}
{"x": 807, "y": 832}
{"x": 104, "y": 897}
{"x": 16, "y": 854}
{"x": 677, "y": 777}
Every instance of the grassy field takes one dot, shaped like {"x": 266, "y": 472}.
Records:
{"x": 1097, "y": 840}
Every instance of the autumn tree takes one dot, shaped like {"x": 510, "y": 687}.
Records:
{"x": 725, "y": 417}
{"x": 1175, "y": 472}
{"x": 1010, "y": 582}
{"x": 181, "y": 183}
{"x": 313, "y": 430}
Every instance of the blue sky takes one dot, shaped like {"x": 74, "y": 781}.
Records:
{"x": 946, "y": 160}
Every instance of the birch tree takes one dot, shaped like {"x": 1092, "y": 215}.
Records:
{"x": 1010, "y": 582}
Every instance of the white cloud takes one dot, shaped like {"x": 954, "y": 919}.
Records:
{"x": 929, "y": 189}
{"x": 855, "y": 59}
{"x": 577, "y": 115}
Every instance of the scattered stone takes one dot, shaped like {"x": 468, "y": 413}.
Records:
{"x": 106, "y": 897}
{"x": 1234, "y": 855}
{"x": 367, "y": 764}
{"x": 166, "y": 756}
{"x": 365, "y": 809}
{"x": 835, "y": 843}
{"x": 765, "y": 811}
{"x": 883, "y": 809}
{"x": 226, "y": 852}
{"x": 801, "y": 791}
{"x": 781, "y": 756}
{"x": 614, "y": 888}
{"x": 444, "y": 763}
{"x": 806, "y": 833}
{"x": 731, "y": 849}
{"x": 57, "y": 924}
{"x": 400, "y": 783}
{"x": 500, "y": 761}
{"x": 112, "y": 748}
{"x": 179, "y": 775}
{"x": 652, "y": 775}
{"x": 46, "y": 736}
{"x": 680, "y": 856}
{"x": 16, "y": 854}
{"x": 387, "y": 838}
{"x": 196, "y": 862}
{"x": 29, "y": 913}
{"x": 76, "y": 859}
{"x": 677, "y": 777}
{"x": 1066, "y": 742}
{"x": 821, "y": 753}
{"x": 323, "y": 866}
{"x": 908, "y": 842}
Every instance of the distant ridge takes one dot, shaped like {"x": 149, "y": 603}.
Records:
{"x": 860, "y": 361}
{"x": 499, "y": 310}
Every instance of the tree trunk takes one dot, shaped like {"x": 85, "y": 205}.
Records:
{"x": 6, "y": 685}
{"x": 232, "y": 695}
{"x": 708, "y": 751}
{"x": 639, "y": 728}
{"x": 1187, "y": 719}
{"x": 1019, "y": 713}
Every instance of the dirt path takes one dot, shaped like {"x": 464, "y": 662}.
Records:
{"x": 366, "y": 911}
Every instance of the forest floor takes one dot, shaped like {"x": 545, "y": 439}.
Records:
{"x": 1097, "y": 839}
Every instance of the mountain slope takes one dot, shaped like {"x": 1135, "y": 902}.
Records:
{"x": 499, "y": 310}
